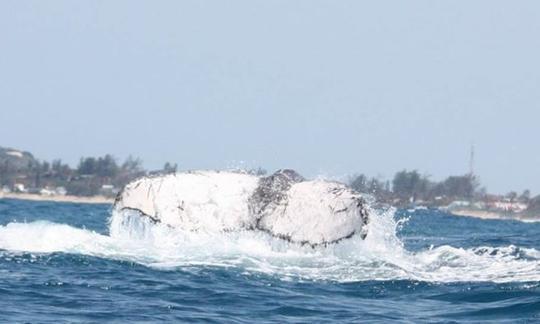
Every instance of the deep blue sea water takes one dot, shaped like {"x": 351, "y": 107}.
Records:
{"x": 62, "y": 262}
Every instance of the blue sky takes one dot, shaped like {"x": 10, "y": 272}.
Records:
{"x": 325, "y": 87}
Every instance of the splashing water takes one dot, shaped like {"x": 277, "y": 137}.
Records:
{"x": 381, "y": 256}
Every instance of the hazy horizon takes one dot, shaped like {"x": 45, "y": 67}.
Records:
{"x": 326, "y": 88}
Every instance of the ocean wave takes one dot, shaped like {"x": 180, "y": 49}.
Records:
{"x": 381, "y": 256}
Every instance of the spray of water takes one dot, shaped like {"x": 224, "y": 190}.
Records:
{"x": 381, "y": 256}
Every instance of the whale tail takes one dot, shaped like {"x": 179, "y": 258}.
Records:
{"x": 284, "y": 204}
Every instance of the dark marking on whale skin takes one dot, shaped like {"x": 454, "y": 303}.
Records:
{"x": 154, "y": 219}
{"x": 272, "y": 192}
{"x": 342, "y": 210}
{"x": 118, "y": 197}
{"x": 308, "y": 243}
{"x": 181, "y": 206}
{"x": 360, "y": 204}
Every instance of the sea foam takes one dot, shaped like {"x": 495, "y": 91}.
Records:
{"x": 380, "y": 256}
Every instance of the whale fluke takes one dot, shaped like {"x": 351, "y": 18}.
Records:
{"x": 284, "y": 204}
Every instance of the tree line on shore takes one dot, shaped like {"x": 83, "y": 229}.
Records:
{"x": 408, "y": 187}
{"x": 92, "y": 176}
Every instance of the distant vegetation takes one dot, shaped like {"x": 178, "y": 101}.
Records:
{"x": 92, "y": 176}
{"x": 534, "y": 206}
{"x": 410, "y": 187}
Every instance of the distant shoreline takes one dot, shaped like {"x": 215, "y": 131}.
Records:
{"x": 484, "y": 214}
{"x": 57, "y": 198}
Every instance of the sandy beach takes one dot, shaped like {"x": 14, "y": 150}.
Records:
{"x": 483, "y": 214}
{"x": 480, "y": 214}
{"x": 67, "y": 198}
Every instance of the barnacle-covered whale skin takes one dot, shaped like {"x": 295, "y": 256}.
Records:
{"x": 284, "y": 204}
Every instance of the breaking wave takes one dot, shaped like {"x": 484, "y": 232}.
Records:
{"x": 381, "y": 256}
